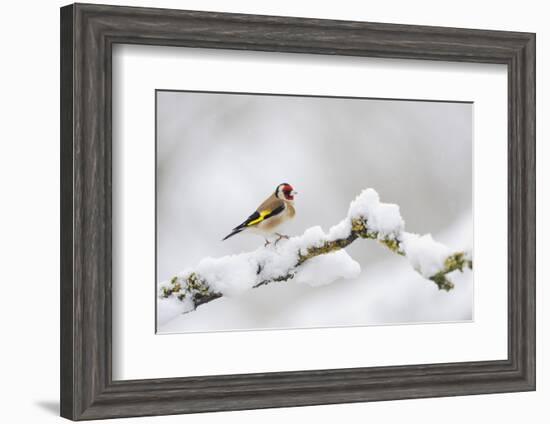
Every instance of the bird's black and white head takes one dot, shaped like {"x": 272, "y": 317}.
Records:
{"x": 285, "y": 192}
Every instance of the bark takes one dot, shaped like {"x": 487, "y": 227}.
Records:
{"x": 198, "y": 291}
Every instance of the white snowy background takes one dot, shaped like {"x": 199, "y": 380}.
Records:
{"x": 219, "y": 156}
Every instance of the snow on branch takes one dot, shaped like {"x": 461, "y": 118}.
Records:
{"x": 316, "y": 258}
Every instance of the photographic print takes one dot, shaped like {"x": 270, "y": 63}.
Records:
{"x": 289, "y": 211}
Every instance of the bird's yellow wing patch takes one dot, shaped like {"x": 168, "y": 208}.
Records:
{"x": 262, "y": 216}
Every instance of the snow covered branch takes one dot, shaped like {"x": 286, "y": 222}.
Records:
{"x": 317, "y": 258}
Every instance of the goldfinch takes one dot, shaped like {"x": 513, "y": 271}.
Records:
{"x": 275, "y": 210}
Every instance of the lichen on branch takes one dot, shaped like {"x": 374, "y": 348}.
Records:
{"x": 317, "y": 258}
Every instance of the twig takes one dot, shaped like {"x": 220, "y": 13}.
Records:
{"x": 195, "y": 290}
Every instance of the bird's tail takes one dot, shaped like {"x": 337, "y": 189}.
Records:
{"x": 232, "y": 233}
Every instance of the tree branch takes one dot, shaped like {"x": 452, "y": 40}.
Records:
{"x": 367, "y": 218}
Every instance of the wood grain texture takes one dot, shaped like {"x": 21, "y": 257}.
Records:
{"x": 66, "y": 214}
{"x": 88, "y": 33}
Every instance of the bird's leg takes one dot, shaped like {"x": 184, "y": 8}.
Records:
{"x": 267, "y": 243}
{"x": 281, "y": 236}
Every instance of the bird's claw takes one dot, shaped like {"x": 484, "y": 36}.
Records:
{"x": 281, "y": 236}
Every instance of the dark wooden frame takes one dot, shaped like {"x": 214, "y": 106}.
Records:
{"x": 88, "y": 33}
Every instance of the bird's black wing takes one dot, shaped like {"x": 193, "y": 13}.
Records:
{"x": 259, "y": 216}
{"x": 256, "y": 218}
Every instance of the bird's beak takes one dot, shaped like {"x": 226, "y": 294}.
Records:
{"x": 293, "y": 193}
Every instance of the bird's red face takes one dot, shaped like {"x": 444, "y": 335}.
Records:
{"x": 288, "y": 191}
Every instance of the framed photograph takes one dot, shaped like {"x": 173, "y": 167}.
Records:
{"x": 263, "y": 211}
